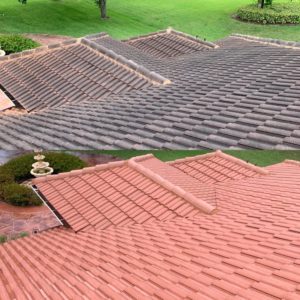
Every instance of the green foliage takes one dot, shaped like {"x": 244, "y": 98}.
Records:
{"x": 280, "y": 13}
{"x": 23, "y": 234}
{"x": 6, "y": 177}
{"x": 3, "y": 239}
{"x": 207, "y": 19}
{"x": 20, "y": 195}
{"x": 13, "y": 43}
{"x": 61, "y": 162}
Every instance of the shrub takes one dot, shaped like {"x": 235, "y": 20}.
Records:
{"x": 61, "y": 162}
{"x": 3, "y": 239}
{"x": 6, "y": 177}
{"x": 13, "y": 43}
{"x": 20, "y": 195}
{"x": 279, "y": 13}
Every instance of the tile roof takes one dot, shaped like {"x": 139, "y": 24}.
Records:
{"x": 140, "y": 190}
{"x": 217, "y": 167}
{"x": 248, "y": 249}
{"x": 244, "y": 94}
{"x": 68, "y": 74}
{"x": 168, "y": 43}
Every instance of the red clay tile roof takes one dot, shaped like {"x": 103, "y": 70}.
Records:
{"x": 142, "y": 189}
{"x": 217, "y": 167}
{"x": 248, "y": 249}
{"x": 115, "y": 194}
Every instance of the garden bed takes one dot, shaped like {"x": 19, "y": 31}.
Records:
{"x": 13, "y": 43}
{"x": 17, "y": 170}
{"x": 278, "y": 13}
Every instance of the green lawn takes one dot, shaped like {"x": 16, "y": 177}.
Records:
{"x": 208, "y": 19}
{"x": 257, "y": 157}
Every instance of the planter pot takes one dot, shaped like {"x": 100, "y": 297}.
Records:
{"x": 2, "y": 53}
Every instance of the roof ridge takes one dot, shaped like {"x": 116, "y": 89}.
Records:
{"x": 117, "y": 58}
{"x": 189, "y": 197}
{"x": 86, "y": 170}
{"x": 171, "y": 30}
{"x": 40, "y": 49}
{"x": 292, "y": 162}
{"x": 194, "y": 39}
{"x": 268, "y": 41}
{"x": 219, "y": 153}
{"x": 96, "y": 35}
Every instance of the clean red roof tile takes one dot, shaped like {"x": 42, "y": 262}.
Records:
{"x": 121, "y": 193}
{"x": 217, "y": 167}
{"x": 248, "y": 249}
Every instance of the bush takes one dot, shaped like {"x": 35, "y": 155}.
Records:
{"x": 13, "y": 43}
{"x": 6, "y": 177}
{"x": 61, "y": 162}
{"x": 279, "y": 13}
{"x": 3, "y": 239}
{"x": 20, "y": 195}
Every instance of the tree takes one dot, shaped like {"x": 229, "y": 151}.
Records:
{"x": 102, "y": 6}
{"x": 263, "y": 3}
{"x": 100, "y": 3}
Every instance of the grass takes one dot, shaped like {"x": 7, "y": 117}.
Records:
{"x": 258, "y": 157}
{"x": 207, "y": 19}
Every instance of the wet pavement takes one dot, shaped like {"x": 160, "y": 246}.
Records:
{"x": 15, "y": 220}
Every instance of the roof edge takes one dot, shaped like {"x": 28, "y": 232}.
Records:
{"x": 141, "y": 70}
{"x": 38, "y": 50}
{"x": 87, "y": 170}
{"x": 219, "y": 153}
{"x": 179, "y": 33}
{"x": 292, "y": 162}
{"x": 97, "y": 35}
{"x": 268, "y": 41}
{"x": 198, "y": 203}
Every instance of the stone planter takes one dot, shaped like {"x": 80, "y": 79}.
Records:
{"x": 2, "y": 53}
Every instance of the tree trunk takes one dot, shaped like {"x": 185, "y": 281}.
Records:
{"x": 261, "y": 3}
{"x": 102, "y": 4}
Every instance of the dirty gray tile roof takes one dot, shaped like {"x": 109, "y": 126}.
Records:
{"x": 69, "y": 74}
{"x": 167, "y": 44}
{"x": 242, "y": 95}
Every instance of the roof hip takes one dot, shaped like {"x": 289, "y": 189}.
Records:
{"x": 167, "y": 184}
{"x": 141, "y": 70}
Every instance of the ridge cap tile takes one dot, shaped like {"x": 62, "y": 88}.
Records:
{"x": 167, "y": 183}
{"x": 268, "y": 41}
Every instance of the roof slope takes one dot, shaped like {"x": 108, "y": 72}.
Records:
{"x": 122, "y": 193}
{"x": 168, "y": 43}
{"x": 245, "y": 94}
{"x": 68, "y": 74}
{"x": 217, "y": 167}
{"x": 247, "y": 250}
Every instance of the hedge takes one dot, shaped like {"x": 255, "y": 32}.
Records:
{"x": 20, "y": 195}
{"x": 6, "y": 177}
{"x": 13, "y": 43}
{"x": 20, "y": 166}
{"x": 18, "y": 170}
{"x": 279, "y": 13}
